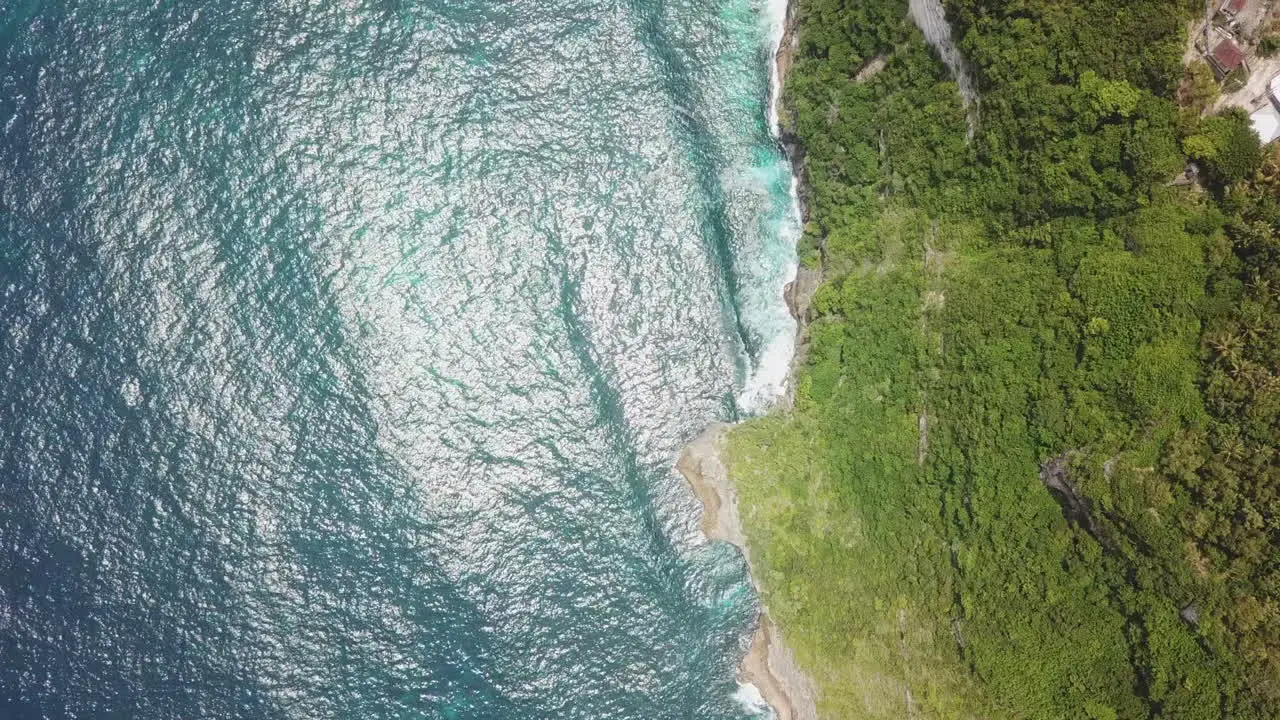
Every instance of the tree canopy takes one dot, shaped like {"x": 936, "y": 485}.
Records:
{"x": 1032, "y": 470}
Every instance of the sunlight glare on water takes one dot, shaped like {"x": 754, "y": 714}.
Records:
{"x": 348, "y": 345}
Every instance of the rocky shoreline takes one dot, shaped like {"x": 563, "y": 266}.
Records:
{"x": 769, "y": 664}
{"x": 798, "y": 293}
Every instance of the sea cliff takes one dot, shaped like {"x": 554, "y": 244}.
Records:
{"x": 769, "y": 664}
{"x": 1028, "y": 464}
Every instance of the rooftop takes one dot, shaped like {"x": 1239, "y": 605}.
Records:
{"x": 1227, "y": 56}
{"x": 1266, "y": 122}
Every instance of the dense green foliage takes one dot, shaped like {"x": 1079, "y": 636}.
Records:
{"x": 1032, "y": 469}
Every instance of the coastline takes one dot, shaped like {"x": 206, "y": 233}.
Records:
{"x": 917, "y": 651}
{"x": 769, "y": 664}
{"x": 798, "y": 294}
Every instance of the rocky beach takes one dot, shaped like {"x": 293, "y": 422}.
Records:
{"x": 769, "y": 664}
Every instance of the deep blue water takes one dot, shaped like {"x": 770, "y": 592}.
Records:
{"x": 346, "y": 346}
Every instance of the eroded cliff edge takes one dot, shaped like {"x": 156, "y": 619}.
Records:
{"x": 769, "y": 664}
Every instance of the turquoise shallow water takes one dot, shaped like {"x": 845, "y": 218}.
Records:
{"x": 347, "y": 347}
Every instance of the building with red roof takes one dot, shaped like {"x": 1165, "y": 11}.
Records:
{"x": 1227, "y": 57}
{"x": 1232, "y": 8}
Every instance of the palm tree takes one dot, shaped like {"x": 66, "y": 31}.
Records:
{"x": 1229, "y": 347}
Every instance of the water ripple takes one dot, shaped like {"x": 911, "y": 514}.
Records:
{"x": 347, "y": 347}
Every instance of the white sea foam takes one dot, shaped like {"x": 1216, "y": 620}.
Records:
{"x": 769, "y": 374}
{"x": 749, "y": 698}
{"x": 769, "y": 378}
{"x": 776, "y": 16}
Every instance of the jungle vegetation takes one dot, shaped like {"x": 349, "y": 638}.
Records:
{"x": 1032, "y": 468}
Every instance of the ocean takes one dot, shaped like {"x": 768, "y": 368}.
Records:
{"x": 346, "y": 347}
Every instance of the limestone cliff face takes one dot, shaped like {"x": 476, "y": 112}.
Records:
{"x": 931, "y": 18}
{"x": 799, "y": 293}
{"x": 784, "y": 60}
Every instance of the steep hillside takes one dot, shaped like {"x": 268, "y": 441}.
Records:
{"x": 1031, "y": 471}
